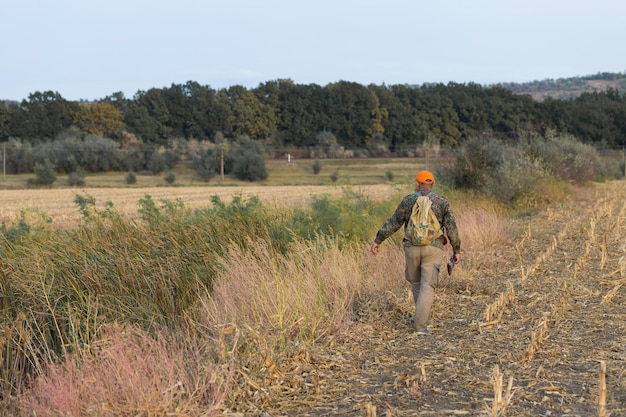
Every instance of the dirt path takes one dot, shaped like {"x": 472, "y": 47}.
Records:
{"x": 547, "y": 311}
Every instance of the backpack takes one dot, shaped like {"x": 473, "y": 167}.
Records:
{"x": 423, "y": 227}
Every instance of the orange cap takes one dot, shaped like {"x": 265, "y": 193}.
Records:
{"x": 425, "y": 177}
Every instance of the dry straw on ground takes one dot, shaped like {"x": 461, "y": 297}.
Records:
{"x": 552, "y": 326}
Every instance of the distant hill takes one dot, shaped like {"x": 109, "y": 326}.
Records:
{"x": 568, "y": 88}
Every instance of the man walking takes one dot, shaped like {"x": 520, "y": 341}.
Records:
{"x": 422, "y": 262}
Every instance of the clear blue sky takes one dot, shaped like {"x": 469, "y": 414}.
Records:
{"x": 88, "y": 49}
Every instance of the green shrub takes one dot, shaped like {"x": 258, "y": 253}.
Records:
{"x": 334, "y": 176}
{"x": 250, "y": 166}
{"x": 512, "y": 174}
{"x": 477, "y": 161}
{"x": 44, "y": 173}
{"x": 130, "y": 178}
{"x": 170, "y": 177}
{"x": 514, "y": 178}
{"x": 570, "y": 160}
{"x": 316, "y": 167}
{"x": 157, "y": 163}
{"x": 208, "y": 165}
{"x": 246, "y": 160}
{"x": 351, "y": 217}
{"x": 20, "y": 157}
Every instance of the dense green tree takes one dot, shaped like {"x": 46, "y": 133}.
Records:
{"x": 43, "y": 116}
{"x": 300, "y": 117}
{"x": 190, "y": 107}
{"x": 470, "y": 105}
{"x": 251, "y": 117}
{"x": 287, "y": 116}
{"x": 599, "y": 118}
{"x": 148, "y": 116}
{"x": 5, "y": 119}
{"x": 404, "y": 123}
{"x": 392, "y": 110}
{"x": 222, "y": 114}
{"x": 202, "y": 122}
{"x": 438, "y": 116}
{"x": 348, "y": 107}
{"x": 378, "y": 116}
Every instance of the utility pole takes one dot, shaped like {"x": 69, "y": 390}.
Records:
{"x": 222, "y": 162}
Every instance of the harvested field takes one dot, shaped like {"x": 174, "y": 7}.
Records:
{"x": 58, "y": 204}
{"x": 535, "y": 327}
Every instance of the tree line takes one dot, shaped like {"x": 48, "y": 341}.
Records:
{"x": 288, "y": 116}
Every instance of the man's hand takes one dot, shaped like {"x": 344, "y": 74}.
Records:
{"x": 455, "y": 259}
{"x": 375, "y": 248}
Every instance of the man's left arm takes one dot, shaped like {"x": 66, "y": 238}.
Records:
{"x": 449, "y": 223}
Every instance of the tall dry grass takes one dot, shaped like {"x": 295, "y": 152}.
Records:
{"x": 308, "y": 292}
{"x": 482, "y": 225}
{"x": 128, "y": 372}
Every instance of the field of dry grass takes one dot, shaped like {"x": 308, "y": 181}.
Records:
{"x": 58, "y": 204}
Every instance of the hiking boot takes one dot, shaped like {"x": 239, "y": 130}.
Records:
{"x": 423, "y": 332}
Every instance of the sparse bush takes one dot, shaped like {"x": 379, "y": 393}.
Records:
{"x": 157, "y": 163}
{"x": 100, "y": 154}
{"x": 389, "y": 175}
{"x": 250, "y": 166}
{"x": 30, "y": 221}
{"x": 316, "y": 167}
{"x": 170, "y": 177}
{"x": 44, "y": 173}
{"x": 130, "y": 178}
{"x": 350, "y": 217}
{"x": 334, "y": 176}
{"x": 76, "y": 178}
{"x": 514, "y": 178}
{"x": 514, "y": 174}
{"x": 327, "y": 145}
{"x": 136, "y": 159}
{"x": 162, "y": 160}
{"x": 20, "y": 157}
{"x": 208, "y": 165}
{"x": 246, "y": 160}
{"x": 170, "y": 158}
{"x": 567, "y": 158}
{"x": 477, "y": 161}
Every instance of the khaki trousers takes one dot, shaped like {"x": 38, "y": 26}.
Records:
{"x": 422, "y": 271}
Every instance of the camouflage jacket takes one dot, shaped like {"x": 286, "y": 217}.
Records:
{"x": 441, "y": 208}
